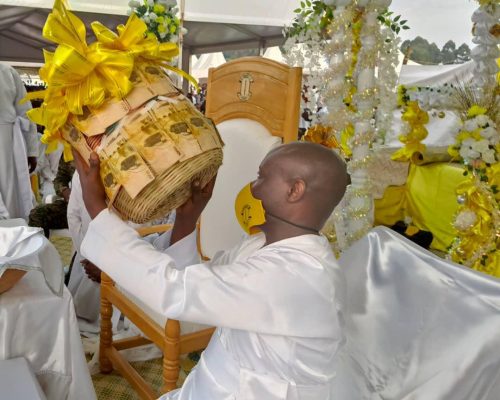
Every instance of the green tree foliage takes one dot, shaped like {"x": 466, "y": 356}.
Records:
{"x": 423, "y": 52}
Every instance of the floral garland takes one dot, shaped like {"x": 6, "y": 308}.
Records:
{"x": 414, "y": 130}
{"x": 478, "y": 219}
{"x": 485, "y": 22}
{"x": 160, "y": 17}
{"x": 351, "y": 42}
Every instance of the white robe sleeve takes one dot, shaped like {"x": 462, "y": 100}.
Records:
{"x": 78, "y": 217}
{"x": 238, "y": 295}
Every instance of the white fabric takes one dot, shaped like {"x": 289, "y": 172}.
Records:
{"x": 25, "y": 248}
{"x": 441, "y": 130}
{"x": 85, "y": 292}
{"x": 253, "y": 12}
{"x": 246, "y": 144}
{"x": 279, "y": 327}
{"x": 418, "y": 327}
{"x": 18, "y": 381}
{"x": 435, "y": 75}
{"x": 274, "y": 53}
{"x": 205, "y": 62}
{"x": 18, "y": 141}
{"x": 40, "y": 326}
{"x": 47, "y": 167}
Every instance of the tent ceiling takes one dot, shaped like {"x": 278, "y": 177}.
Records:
{"x": 21, "y": 38}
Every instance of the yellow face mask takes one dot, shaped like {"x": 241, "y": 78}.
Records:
{"x": 249, "y": 211}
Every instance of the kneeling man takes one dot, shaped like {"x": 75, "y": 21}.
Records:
{"x": 273, "y": 298}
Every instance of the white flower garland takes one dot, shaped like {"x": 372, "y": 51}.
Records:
{"x": 486, "y": 52}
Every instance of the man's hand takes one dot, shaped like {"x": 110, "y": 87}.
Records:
{"x": 187, "y": 215}
{"x": 92, "y": 271}
{"x": 66, "y": 192}
{"x": 32, "y": 164}
{"x": 93, "y": 192}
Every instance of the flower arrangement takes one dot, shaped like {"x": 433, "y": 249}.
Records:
{"x": 477, "y": 142}
{"x": 160, "y": 16}
{"x": 478, "y": 218}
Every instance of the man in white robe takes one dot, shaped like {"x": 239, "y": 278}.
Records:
{"x": 273, "y": 298}
{"x": 18, "y": 147}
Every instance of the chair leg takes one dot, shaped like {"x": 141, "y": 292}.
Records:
{"x": 171, "y": 353}
{"x": 106, "y": 336}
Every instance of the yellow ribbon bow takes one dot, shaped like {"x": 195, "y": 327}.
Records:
{"x": 80, "y": 76}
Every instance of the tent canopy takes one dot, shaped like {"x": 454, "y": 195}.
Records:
{"x": 214, "y": 25}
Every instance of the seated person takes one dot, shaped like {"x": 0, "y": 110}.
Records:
{"x": 53, "y": 216}
{"x": 273, "y": 297}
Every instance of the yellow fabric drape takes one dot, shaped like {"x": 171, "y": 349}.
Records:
{"x": 428, "y": 197}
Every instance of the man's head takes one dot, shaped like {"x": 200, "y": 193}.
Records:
{"x": 299, "y": 185}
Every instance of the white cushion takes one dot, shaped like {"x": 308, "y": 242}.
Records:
{"x": 246, "y": 144}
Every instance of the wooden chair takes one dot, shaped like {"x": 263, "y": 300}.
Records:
{"x": 249, "y": 97}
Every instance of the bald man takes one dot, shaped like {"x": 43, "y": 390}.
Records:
{"x": 273, "y": 298}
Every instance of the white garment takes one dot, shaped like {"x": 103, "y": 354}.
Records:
{"x": 85, "y": 292}
{"x": 47, "y": 167}
{"x": 279, "y": 326}
{"x": 18, "y": 141}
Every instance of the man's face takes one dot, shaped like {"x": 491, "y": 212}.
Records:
{"x": 270, "y": 186}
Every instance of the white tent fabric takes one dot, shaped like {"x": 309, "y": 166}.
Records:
{"x": 251, "y": 12}
{"x": 274, "y": 53}
{"x": 205, "y": 62}
{"x": 434, "y": 75}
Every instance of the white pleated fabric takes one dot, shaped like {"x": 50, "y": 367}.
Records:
{"x": 418, "y": 327}
{"x": 279, "y": 322}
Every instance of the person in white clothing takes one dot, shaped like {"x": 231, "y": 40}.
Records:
{"x": 273, "y": 298}
{"x": 18, "y": 147}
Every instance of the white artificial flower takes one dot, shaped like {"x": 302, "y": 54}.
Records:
{"x": 491, "y": 134}
{"x": 150, "y": 3}
{"x": 471, "y": 125}
{"x": 184, "y": 31}
{"x": 465, "y": 220}
{"x": 134, "y": 4}
{"x": 480, "y": 146}
{"x": 174, "y": 38}
{"x": 466, "y": 150}
{"x": 482, "y": 120}
{"x": 488, "y": 156}
{"x": 152, "y": 16}
{"x": 163, "y": 35}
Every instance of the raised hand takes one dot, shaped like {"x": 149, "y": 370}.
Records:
{"x": 187, "y": 215}
{"x": 93, "y": 192}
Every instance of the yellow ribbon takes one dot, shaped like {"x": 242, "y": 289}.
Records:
{"x": 80, "y": 75}
{"x": 416, "y": 118}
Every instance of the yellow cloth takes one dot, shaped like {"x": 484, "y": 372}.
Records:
{"x": 429, "y": 198}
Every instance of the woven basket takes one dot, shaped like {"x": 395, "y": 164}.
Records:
{"x": 152, "y": 145}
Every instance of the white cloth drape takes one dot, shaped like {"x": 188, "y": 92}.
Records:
{"x": 418, "y": 327}
{"x": 278, "y": 320}
{"x": 18, "y": 141}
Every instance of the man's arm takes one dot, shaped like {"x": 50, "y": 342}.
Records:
{"x": 63, "y": 178}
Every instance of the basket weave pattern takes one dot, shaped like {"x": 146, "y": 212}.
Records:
{"x": 151, "y": 145}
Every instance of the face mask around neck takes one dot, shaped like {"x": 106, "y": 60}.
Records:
{"x": 250, "y": 212}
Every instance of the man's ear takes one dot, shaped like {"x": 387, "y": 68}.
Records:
{"x": 296, "y": 191}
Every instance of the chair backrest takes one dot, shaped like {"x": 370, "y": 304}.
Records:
{"x": 417, "y": 326}
{"x": 255, "y": 104}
